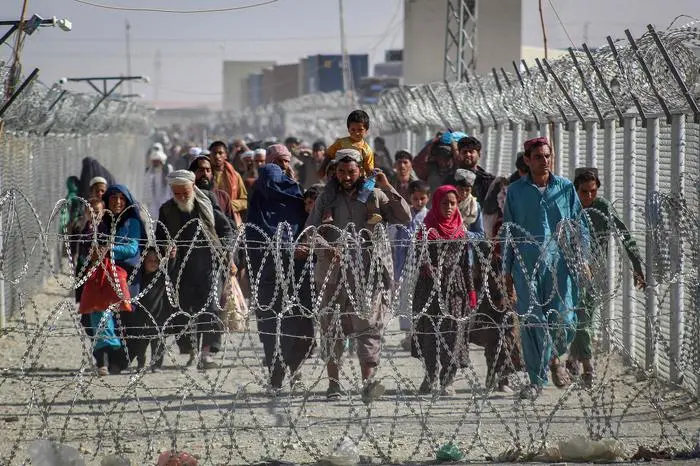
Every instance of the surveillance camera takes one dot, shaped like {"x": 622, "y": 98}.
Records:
{"x": 62, "y": 80}
{"x": 65, "y": 24}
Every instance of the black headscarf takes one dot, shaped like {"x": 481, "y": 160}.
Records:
{"x": 91, "y": 169}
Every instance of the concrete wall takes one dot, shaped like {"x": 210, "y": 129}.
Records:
{"x": 499, "y": 34}
{"x": 424, "y": 40}
{"x": 235, "y": 74}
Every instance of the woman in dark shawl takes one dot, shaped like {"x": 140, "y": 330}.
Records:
{"x": 91, "y": 169}
{"x": 276, "y": 211}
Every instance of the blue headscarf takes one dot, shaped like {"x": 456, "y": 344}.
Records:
{"x": 276, "y": 199}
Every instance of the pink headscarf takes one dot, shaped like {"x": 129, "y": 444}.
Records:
{"x": 276, "y": 152}
{"x": 438, "y": 226}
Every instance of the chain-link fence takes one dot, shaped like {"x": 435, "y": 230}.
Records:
{"x": 47, "y": 133}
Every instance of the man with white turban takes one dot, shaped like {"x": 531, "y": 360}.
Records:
{"x": 196, "y": 234}
{"x": 155, "y": 186}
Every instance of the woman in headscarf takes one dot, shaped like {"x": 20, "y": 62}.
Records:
{"x": 276, "y": 212}
{"x": 444, "y": 294}
{"x": 122, "y": 229}
{"x": 92, "y": 169}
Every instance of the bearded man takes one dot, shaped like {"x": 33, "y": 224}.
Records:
{"x": 197, "y": 235}
{"x": 204, "y": 180}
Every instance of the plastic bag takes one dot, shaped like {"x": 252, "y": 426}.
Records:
{"x": 48, "y": 453}
{"x": 235, "y": 307}
{"x": 344, "y": 453}
{"x": 99, "y": 292}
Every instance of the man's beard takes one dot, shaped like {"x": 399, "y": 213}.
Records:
{"x": 185, "y": 206}
{"x": 204, "y": 183}
{"x": 353, "y": 186}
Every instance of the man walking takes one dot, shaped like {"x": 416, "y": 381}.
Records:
{"x": 537, "y": 208}
{"x": 201, "y": 234}
{"x": 361, "y": 311}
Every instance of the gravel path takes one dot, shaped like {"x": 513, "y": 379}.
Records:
{"x": 49, "y": 389}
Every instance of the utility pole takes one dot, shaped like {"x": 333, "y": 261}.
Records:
{"x": 128, "y": 55}
{"x": 157, "y": 64}
{"x": 347, "y": 74}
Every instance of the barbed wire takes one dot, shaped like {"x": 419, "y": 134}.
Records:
{"x": 42, "y": 109}
{"x": 50, "y": 385}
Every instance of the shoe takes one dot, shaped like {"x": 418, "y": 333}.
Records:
{"x": 448, "y": 390}
{"x": 334, "y": 392}
{"x": 406, "y": 343}
{"x": 102, "y": 371}
{"x": 372, "y": 391}
{"x": 426, "y": 387}
{"x": 503, "y": 386}
{"x": 295, "y": 379}
{"x": 206, "y": 362}
{"x": 531, "y": 392}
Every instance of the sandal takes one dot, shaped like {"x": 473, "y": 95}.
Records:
{"x": 560, "y": 377}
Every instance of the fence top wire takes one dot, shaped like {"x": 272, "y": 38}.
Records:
{"x": 42, "y": 109}
{"x": 554, "y": 91}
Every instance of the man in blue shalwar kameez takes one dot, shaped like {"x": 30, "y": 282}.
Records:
{"x": 536, "y": 271}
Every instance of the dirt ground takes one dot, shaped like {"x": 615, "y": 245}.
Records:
{"x": 49, "y": 390}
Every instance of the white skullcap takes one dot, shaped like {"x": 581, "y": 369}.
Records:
{"x": 352, "y": 154}
{"x": 260, "y": 151}
{"x": 195, "y": 151}
{"x": 247, "y": 154}
{"x": 180, "y": 177}
{"x": 465, "y": 175}
{"x": 158, "y": 155}
{"x": 97, "y": 179}
{"x": 157, "y": 146}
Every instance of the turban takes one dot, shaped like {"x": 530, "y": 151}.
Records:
{"x": 260, "y": 151}
{"x": 247, "y": 154}
{"x": 157, "y": 146}
{"x": 351, "y": 154}
{"x": 195, "y": 151}
{"x": 98, "y": 179}
{"x": 278, "y": 152}
{"x": 180, "y": 177}
{"x": 530, "y": 143}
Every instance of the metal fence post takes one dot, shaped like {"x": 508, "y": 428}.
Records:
{"x": 677, "y": 288}
{"x": 517, "y": 142}
{"x": 609, "y": 165}
{"x": 592, "y": 144}
{"x": 558, "y": 147}
{"x": 651, "y": 314}
{"x": 574, "y": 162}
{"x": 629, "y": 216}
{"x": 497, "y": 155}
{"x": 486, "y": 147}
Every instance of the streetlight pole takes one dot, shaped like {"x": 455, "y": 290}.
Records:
{"x": 128, "y": 55}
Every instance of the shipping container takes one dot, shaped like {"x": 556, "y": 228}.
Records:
{"x": 255, "y": 87}
{"x": 325, "y": 72}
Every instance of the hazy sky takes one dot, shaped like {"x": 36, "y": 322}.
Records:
{"x": 192, "y": 45}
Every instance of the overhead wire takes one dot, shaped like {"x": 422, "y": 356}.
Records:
{"x": 165, "y": 10}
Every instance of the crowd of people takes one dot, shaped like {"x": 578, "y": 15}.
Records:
{"x": 294, "y": 232}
